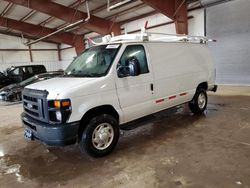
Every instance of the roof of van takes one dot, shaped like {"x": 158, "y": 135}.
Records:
{"x": 153, "y": 37}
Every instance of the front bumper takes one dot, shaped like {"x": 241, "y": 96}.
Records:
{"x": 62, "y": 134}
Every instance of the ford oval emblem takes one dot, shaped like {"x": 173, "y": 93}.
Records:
{"x": 29, "y": 105}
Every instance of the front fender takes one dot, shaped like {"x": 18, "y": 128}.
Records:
{"x": 81, "y": 105}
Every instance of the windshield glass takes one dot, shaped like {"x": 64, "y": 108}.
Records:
{"x": 29, "y": 81}
{"x": 93, "y": 62}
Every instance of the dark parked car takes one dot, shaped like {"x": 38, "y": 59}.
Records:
{"x": 4, "y": 80}
{"x": 13, "y": 92}
{"x": 20, "y": 73}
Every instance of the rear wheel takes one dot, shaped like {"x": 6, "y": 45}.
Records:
{"x": 100, "y": 136}
{"x": 199, "y": 101}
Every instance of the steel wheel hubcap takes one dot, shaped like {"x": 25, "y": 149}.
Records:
{"x": 102, "y": 136}
{"x": 201, "y": 100}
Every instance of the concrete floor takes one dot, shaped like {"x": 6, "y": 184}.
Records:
{"x": 170, "y": 149}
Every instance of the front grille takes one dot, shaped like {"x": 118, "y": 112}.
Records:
{"x": 35, "y": 104}
{"x": 28, "y": 98}
{"x": 31, "y": 112}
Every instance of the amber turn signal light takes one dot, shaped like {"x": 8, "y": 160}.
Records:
{"x": 57, "y": 104}
{"x": 66, "y": 103}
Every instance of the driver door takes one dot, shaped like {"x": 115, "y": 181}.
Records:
{"x": 135, "y": 93}
{"x": 17, "y": 74}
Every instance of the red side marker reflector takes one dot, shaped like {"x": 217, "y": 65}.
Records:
{"x": 182, "y": 94}
{"x": 172, "y": 97}
{"x": 159, "y": 100}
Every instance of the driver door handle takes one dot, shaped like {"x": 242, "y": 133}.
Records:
{"x": 152, "y": 87}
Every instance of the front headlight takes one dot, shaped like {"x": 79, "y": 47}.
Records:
{"x": 58, "y": 115}
{"x": 59, "y": 110}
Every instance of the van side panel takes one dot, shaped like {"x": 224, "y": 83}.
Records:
{"x": 178, "y": 70}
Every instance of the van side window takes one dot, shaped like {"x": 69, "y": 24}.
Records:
{"x": 138, "y": 52}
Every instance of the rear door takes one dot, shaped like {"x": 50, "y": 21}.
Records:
{"x": 38, "y": 69}
{"x": 29, "y": 72}
{"x": 135, "y": 92}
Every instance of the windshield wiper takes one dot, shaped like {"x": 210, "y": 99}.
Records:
{"x": 94, "y": 75}
{"x": 82, "y": 75}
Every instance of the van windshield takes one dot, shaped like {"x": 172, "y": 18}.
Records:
{"x": 93, "y": 62}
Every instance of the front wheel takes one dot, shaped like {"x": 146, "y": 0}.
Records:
{"x": 100, "y": 136}
{"x": 199, "y": 101}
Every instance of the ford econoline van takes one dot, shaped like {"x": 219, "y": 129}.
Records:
{"x": 116, "y": 82}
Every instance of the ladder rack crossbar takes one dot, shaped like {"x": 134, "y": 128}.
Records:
{"x": 148, "y": 36}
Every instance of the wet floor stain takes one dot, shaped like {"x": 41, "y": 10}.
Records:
{"x": 45, "y": 164}
{"x": 9, "y": 166}
{"x": 10, "y": 130}
{"x": 48, "y": 165}
{"x": 170, "y": 149}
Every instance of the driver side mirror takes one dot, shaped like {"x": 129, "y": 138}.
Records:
{"x": 122, "y": 71}
{"x": 132, "y": 68}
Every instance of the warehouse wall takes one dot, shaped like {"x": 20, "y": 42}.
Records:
{"x": 229, "y": 24}
{"x": 196, "y": 24}
{"x": 67, "y": 56}
{"x": 10, "y": 58}
{"x": 44, "y": 56}
{"x": 195, "y": 27}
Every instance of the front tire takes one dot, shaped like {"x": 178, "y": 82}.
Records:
{"x": 199, "y": 101}
{"x": 100, "y": 136}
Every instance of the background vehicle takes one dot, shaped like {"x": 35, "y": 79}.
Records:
{"x": 4, "y": 80}
{"x": 19, "y": 73}
{"x": 114, "y": 83}
{"x": 13, "y": 92}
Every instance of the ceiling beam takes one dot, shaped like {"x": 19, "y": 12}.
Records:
{"x": 6, "y": 9}
{"x": 181, "y": 17}
{"x": 28, "y": 16}
{"x": 39, "y": 31}
{"x": 126, "y": 11}
{"x": 74, "y": 5}
{"x": 175, "y": 10}
{"x": 166, "y": 7}
{"x": 104, "y": 7}
{"x": 70, "y": 15}
{"x": 139, "y": 17}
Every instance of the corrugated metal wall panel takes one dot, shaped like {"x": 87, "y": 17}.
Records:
{"x": 15, "y": 58}
{"x": 229, "y": 24}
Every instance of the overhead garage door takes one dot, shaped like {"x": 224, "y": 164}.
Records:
{"x": 229, "y": 23}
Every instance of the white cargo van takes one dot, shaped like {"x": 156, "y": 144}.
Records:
{"x": 122, "y": 79}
